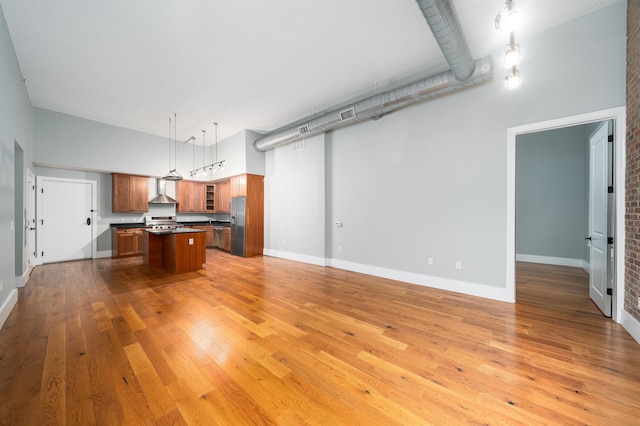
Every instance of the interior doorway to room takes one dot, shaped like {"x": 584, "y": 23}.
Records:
{"x": 611, "y": 265}
{"x": 66, "y": 224}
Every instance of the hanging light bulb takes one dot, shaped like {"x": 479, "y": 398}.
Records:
{"x": 513, "y": 78}
{"x": 508, "y": 18}
{"x": 511, "y": 54}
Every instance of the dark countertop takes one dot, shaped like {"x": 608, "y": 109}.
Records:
{"x": 206, "y": 223}
{"x": 128, "y": 225}
{"x": 174, "y": 231}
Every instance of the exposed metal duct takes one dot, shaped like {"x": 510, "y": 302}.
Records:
{"x": 464, "y": 72}
{"x": 442, "y": 20}
{"x": 378, "y": 105}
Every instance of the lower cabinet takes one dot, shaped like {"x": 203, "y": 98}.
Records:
{"x": 227, "y": 239}
{"x": 126, "y": 242}
{"x": 209, "y": 237}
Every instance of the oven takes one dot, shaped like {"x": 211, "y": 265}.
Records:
{"x": 162, "y": 223}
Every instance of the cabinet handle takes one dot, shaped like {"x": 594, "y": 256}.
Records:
{"x": 88, "y": 221}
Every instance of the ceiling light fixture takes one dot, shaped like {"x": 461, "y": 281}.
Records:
{"x": 206, "y": 169}
{"x": 173, "y": 173}
{"x": 506, "y": 20}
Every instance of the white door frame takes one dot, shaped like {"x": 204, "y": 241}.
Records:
{"x": 619, "y": 115}
{"x": 39, "y": 213}
{"x": 31, "y": 209}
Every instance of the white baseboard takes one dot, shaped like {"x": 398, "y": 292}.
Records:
{"x": 314, "y": 260}
{"x": 632, "y": 325}
{"x": 103, "y": 254}
{"x": 560, "y": 261}
{"x": 7, "y": 306}
{"x": 471, "y": 289}
{"x": 22, "y": 280}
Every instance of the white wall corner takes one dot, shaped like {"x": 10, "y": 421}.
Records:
{"x": 631, "y": 325}
{"x": 7, "y": 306}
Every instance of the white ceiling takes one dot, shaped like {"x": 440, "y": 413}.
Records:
{"x": 247, "y": 64}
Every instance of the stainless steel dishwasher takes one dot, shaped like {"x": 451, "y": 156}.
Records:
{"x": 218, "y": 237}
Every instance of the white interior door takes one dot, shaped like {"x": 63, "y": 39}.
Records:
{"x": 66, "y": 222}
{"x": 598, "y": 224}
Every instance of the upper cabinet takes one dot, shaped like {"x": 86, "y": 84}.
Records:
{"x": 191, "y": 196}
{"x": 223, "y": 197}
{"x": 239, "y": 186}
{"x": 130, "y": 193}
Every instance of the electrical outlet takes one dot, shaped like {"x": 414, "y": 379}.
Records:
{"x": 339, "y": 249}
{"x": 458, "y": 264}
{"x": 284, "y": 243}
{"x": 190, "y": 241}
{"x": 430, "y": 261}
{"x": 2, "y": 287}
{"x": 638, "y": 297}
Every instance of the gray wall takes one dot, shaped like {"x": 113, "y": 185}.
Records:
{"x": 69, "y": 142}
{"x": 429, "y": 181}
{"x": 15, "y": 135}
{"x": 552, "y": 192}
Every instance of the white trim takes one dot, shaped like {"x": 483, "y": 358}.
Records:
{"x": 7, "y": 306}
{"x": 631, "y": 325}
{"x": 549, "y": 260}
{"x": 471, "y": 289}
{"x": 619, "y": 115}
{"x": 314, "y": 260}
{"x": 102, "y": 254}
{"x": 22, "y": 280}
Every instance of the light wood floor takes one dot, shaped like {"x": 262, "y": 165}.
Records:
{"x": 268, "y": 341}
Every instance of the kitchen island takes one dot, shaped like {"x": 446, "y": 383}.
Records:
{"x": 176, "y": 250}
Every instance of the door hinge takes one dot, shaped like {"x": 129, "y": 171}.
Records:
{"x": 42, "y": 253}
{"x": 610, "y": 189}
{"x": 610, "y": 138}
{"x": 610, "y": 240}
{"x": 609, "y": 292}
{"x": 42, "y": 190}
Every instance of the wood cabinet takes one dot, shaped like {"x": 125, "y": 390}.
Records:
{"x": 223, "y": 196}
{"x": 191, "y": 196}
{"x": 210, "y": 197}
{"x": 251, "y": 187}
{"x": 126, "y": 242}
{"x": 227, "y": 239}
{"x": 209, "y": 236}
{"x": 130, "y": 193}
{"x": 239, "y": 186}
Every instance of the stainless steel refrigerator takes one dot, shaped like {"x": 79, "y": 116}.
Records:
{"x": 238, "y": 222}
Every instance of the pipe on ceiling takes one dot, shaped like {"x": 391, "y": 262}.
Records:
{"x": 464, "y": 72}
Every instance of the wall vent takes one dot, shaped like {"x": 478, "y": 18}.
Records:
{"x": 304, "y": 130}
{"x": 297, "y": 145}
{"x": 347, "y": 114}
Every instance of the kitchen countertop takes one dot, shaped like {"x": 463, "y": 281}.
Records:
{"x": 198, "y": 223}
{"x": 174, "y": 231}
{"x": 128, "y": 225}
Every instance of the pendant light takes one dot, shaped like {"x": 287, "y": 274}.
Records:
{"x": 173, "y": 173}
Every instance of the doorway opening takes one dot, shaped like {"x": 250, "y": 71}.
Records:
{"x": 617, "y": 115}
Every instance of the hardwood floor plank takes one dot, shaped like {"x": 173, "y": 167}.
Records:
{"x": 269, "y": 341}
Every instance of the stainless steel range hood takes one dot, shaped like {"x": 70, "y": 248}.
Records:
{"x": 162, "y": 197}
